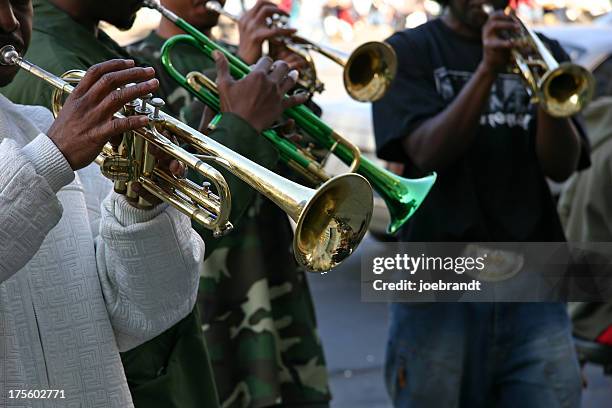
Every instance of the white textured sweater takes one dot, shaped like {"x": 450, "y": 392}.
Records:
{"x": 83, "y": 275}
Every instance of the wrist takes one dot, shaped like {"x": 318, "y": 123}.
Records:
{"x": 246, "y": 119}
{"x": 486, "y": 72}
{"x": 249, "y": 55}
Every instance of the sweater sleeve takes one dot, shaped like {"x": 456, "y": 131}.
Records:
{"x": 148, "y": 263}
{"x": 29, "y": 209}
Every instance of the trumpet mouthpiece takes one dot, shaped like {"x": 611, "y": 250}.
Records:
{"x": 8, "y": 55}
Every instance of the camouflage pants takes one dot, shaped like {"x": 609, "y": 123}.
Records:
{"x": 258, "y": 317}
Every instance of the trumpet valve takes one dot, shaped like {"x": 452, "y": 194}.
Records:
{"x": 143, "y": 109}
{"x": 157, "y": 104}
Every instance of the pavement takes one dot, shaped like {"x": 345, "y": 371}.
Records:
{"x": 354, "y": 335}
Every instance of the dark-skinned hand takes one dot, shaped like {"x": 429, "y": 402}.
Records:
{"x": 497, "y": 44}
{"x": 86, "y": 121}
{"x": 254, "y": 30}
{"x": 260, "y": 97}
{"x": 279, "y": 51}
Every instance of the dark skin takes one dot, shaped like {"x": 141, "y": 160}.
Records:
{"x": 120, "y": 13}
{"x": 253, "y": 29}
{"x": 15, "y": 29}
{"x": 269, "y": 81}
{"x": 444, "y": 138}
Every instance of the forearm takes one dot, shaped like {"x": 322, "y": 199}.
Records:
{"x": 148, "y": 263}
{"x": 29, "y": 179}
{"x": 557, "y": 146}
{"x": 439, "y": 141}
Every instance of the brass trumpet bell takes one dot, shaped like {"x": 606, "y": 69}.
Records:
{"x": 332, "y": 221}
{"x": 566, "y": 89}
{"x": 369, "y": 71}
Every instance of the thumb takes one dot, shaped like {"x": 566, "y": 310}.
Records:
{"x": 223, "y": 72}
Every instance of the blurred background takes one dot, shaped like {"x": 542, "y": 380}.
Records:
{"x": 354, "y": 333}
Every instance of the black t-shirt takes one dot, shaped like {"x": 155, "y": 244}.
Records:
{"x": 496, "y": 191}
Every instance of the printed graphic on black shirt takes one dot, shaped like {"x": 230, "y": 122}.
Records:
{"x": 508, "y": 102}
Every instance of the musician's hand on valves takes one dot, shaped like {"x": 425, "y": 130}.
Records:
{"x": 254, "y": 29}
{"x": 260, "y": 97}
{"x": 497, "y": 42}
{"x": 86, "y": 121}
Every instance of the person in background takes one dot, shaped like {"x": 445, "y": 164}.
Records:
{"x": 84, "y": 274}
{"x": 173, "y": 369}
{"x": 256, "y": 308}
{"x": 454, "y": 108}
{"x": 585, "y": 208}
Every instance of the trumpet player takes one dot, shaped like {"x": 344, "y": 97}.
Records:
{"x": 83, "y": 273}
{"x": 253, "y": 32}
{"x": 65, "y": 37}
{"x": 253, "y": 296}
{"x": 456, "y": 108}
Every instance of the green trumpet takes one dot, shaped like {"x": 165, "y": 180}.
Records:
{"x": 402, "y": 196}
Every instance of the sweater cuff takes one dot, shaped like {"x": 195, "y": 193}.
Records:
{"x": 49, "y": 162}
{"x": 128, "y": 215}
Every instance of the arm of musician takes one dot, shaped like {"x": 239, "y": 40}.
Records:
{"x": 443, "y": 138}
{"x": 557, "y": 146}
{"x": 148, "y": 263}
{"x": 238, "y": 135}
{"x": 29, "y": 179}
{"x": 440, "y": 140}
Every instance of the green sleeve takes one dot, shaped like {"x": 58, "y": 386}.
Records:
{"x": 238, "y": 135}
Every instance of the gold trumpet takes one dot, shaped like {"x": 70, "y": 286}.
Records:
{"x": 331, "y": 221}
{"x": 562, "y": 89}
{"x": 367, "y": 72}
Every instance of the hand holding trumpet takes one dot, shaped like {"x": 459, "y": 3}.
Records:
{"x": 255, "y": 30}
{"x": 101, "y": 93}
{"x": 259, "y": 98}
{"x": 497, "y": 43}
